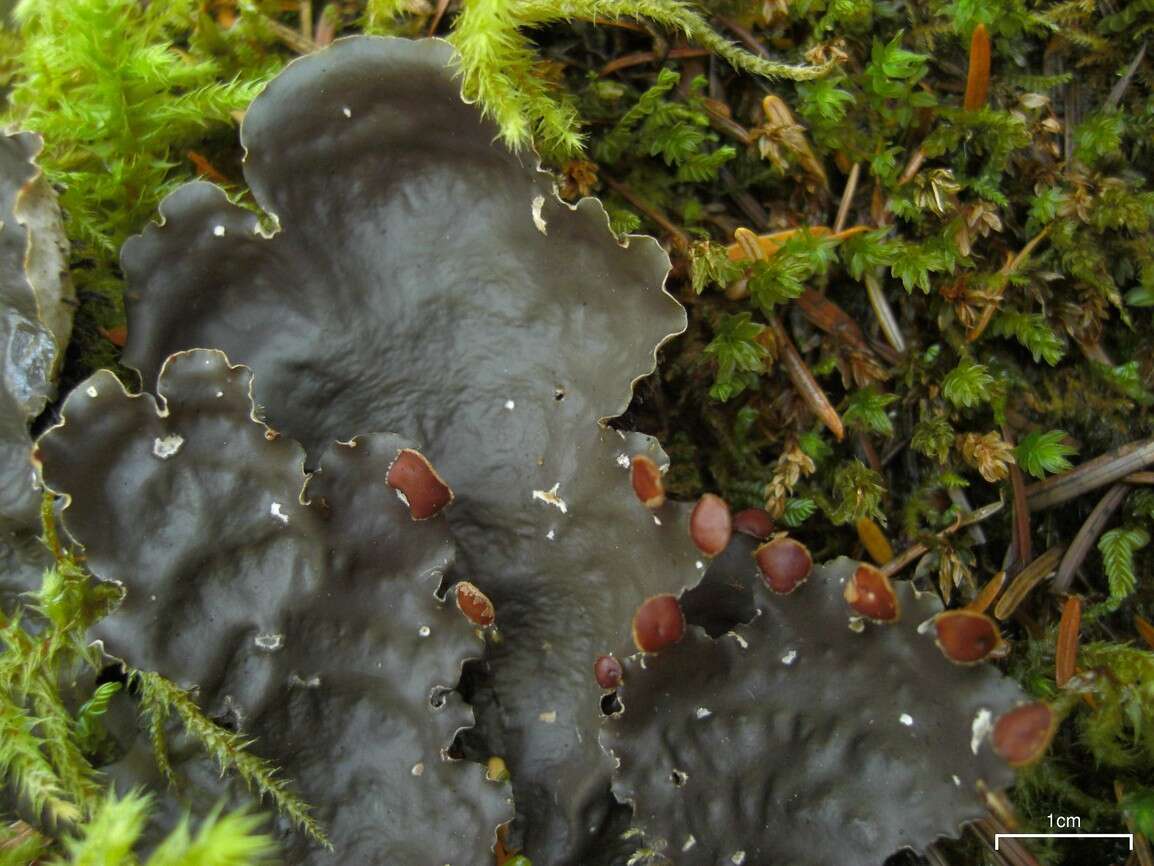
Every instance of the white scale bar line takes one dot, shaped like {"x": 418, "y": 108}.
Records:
{"x": 999, "y": 836}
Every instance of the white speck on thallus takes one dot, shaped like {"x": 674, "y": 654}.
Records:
{"x": 623, "y": 460}
{"x": 699, "y": 564}
{"x": 856, "y": 624}
{"x": 957, "y": 781}
{"x": 510, "y": 405}
{"x": 789, "y": 658}
{"x": 418, "y": 769}
{"x": 270, "y": 642}
{"x": 552, "y": 497}
{"x": 738, "y": 858}
{"x": 401, "y": 496}
{"x": 981, "y": 726}
{"x": 703, "y": 713}
{"x": 550, "y": 535}
{"x": 91, "y": 391}
{"x": 549, "y": 717}
{"x": 924, "y": 627}
{"x": 219, "y": 394}
{"x": 219, "y": 231}
{"x": 166, "y": 446}
{"x": 742, "y": 642}
{"x": 347, "y": 112}
{"x": 906, "y": 719}
{"x": 538, "y": 219}
{"x": 689, "y": 843}
{"x": 656, "y": 519}
{"x": 275, "y": 511}
{"x": 424, "y": 631}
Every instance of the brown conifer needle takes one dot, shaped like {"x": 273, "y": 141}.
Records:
{"x": 978, "y": 77}
{"x": 1146, "y": 629}
{"x": 988, "y": 593}
{"x": 1028, "y": 578}
{"x": 1066, "y": 655}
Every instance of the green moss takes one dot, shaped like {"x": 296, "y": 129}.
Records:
{"x": 115, "y": 831}
{"x": 121, "y": 92}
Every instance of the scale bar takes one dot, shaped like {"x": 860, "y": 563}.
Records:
{"x": 999, "y": 836}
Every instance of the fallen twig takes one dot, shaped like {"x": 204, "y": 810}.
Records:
{"x": 1110, "y": 467}
{"x": 916, "y": 551}
{"x": 640, "y": 58}
{"x": 803, "y": 380}
{"x": 1087, "y": 535}
{"x": 680, "y": 238}
{"x": 847, "y": 198}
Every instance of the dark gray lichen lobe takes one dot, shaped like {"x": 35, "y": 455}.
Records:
{"x": 307, "y": 613}
{"x": 796, "y": 739}
{"x": 426, "y": 280}
{"x": 35, "y": 320}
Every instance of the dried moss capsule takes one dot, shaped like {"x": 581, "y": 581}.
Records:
{"x": 785, "y": 564}
{"x": 607, "y": 670}
{"x": 755, "y": 522}
{"x": 871, "y": 594}
{"x": 475, "y": 605}
{"x": 425, "y": 492}
{"x": 967, "y": 637}
{"x": 710, "y": 524}
{"x": 658, "y": 623}
{"x": 646, "y": 478}
{"x": 1022, "y": 735}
